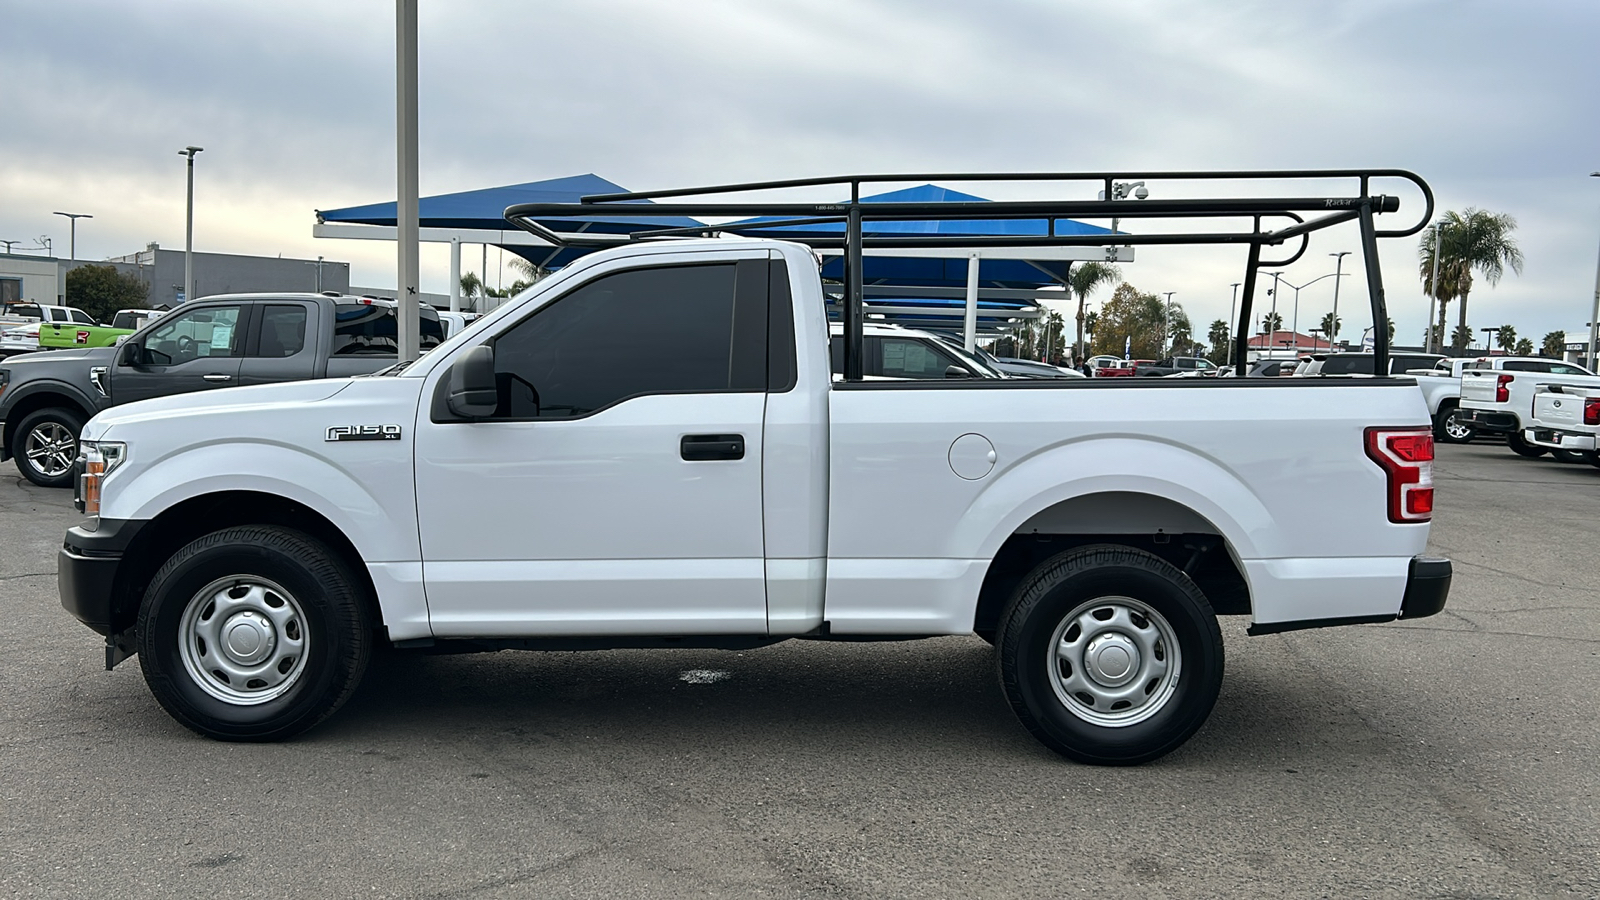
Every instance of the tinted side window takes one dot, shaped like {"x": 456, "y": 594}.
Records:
{"x": 1347, "y": 365}
{"x": 283, "y": 331}
{"x": 80, "y": 316}
{"x": 363, "y": 330}
{"x": 1518, "y": 365}
{"x": 674, "y": 329}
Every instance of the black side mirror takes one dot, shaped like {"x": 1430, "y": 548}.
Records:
{"x": 130, "y": 354}
{"x": 472, "y": 393}
{"x": 955, "y": 372}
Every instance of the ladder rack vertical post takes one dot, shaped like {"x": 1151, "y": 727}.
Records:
{"x": 1380, "y": 311}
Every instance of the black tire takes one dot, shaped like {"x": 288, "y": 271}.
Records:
{"x": 1572, "y": 456}
{"x": 323, "y": 596}
{"x": 1521, "y": 447}
{"x": 1084, "y": 582}
{"x": 37, "y": 425}
{"x": 1448, "y": 429}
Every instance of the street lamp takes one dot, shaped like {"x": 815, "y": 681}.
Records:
{"x": 1488, "y": 342}
{"x": 1338, "y": 270}
{"x": 188, "y": 229}
{"x": 1233, "y": 313}
{"x": 9, "y": 245}
{"x": 1273, "y": 293}
{"x": 1166, "y": 332}
{"x": 1296, "y": 327}
{"x": 73, "y": 218}
{"x": 1594, "y": 315}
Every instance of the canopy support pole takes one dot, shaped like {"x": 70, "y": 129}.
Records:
{"x": 969, "y": 328}
{"x": 455, "y": 274}
{"x": 408, "y": 282}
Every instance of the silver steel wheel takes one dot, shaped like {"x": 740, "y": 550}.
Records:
{"x": 1114, "y": 661}
{"x": 1456, "y": 429}
{"x": 243, "y": 640}
{"x": 50, "y": 448}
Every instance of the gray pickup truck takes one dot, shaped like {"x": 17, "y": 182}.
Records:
{"x": 214, "y": 342}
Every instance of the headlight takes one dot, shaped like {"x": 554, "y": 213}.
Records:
{"x": 96, "y": 460}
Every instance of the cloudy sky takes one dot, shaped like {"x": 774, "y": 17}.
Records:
{"x": 1494, "y": 103}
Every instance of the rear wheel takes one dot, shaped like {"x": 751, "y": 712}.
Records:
{"x": 1448, "y": 427}
{"x": 1110, "y": 655}
{"x": 45, "y": 445}
{"x": 253, "y": 634}
{"x": 1573, "y": 456}
{"x": 1522, "y": 448}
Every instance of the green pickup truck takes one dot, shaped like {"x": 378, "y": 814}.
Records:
{"x": 57, "y": 336}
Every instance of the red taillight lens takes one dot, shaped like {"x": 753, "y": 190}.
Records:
{"x": 1591, "y": 411}
{"x": 1406, "y": 457}
{"x": 1501, "y": 393}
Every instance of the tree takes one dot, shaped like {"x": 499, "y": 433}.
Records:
{"x": 1506, "y": 338}
{"x": 1218, "y": 335}
{"x": 1091, "y": 322}
{"x": 1555, "y": 345}
{"x": 1461, "y": 339}
{"x": 1055, "y": 336}
{"x": 1082, "y": 282}
{"x": 101, "y": 290}
{"x": 1472, "y": 241}
{"x": 1271, "y": 322}
{"x": 1133, "y": 317}
{"x": 1524, "y": 347}
{"x": 1330, "y": 327}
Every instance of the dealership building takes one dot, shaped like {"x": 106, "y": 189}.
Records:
{"x": 43, "y": 279}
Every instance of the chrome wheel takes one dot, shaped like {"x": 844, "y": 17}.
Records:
{"x": 1114, "y": 661}
{"x": 1455, "y": 429}
{"x": 50, "y": 448}
{"x": 243, "y": 640}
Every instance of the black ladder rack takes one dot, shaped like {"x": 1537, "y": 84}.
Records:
{"x": 1304, "y": 215}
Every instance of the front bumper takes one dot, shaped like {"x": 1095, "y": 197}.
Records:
{"x": 1427, "y": 588}
{"x": 1487, "y": 420}
{"x": 86, "y": 571}
{"x": 1556, "y": 439}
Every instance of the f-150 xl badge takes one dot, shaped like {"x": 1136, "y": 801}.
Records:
{"x": 364, "y": 433}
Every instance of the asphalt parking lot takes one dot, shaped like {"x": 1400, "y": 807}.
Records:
{"x": 1454, "y": 758}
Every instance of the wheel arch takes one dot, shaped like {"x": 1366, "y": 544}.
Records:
{"x": 48, "y": 395}
{"x": 162, "y": 536}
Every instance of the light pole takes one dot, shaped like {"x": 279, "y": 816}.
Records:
{"x": 1338, "y": 270}
{"x": 1166, "y": 331}
{"x": 1488, "y": 341}
{"x": 73, "y": 218}
{"x": 188, "y": 228}
{"x": 1233, "y": 313}
{"x": 1594, "y": 314}
{"x": 1296, "y": 327}
{"x": 1274, "y": 294}
{"x": 9, "y": 245}
{"x": 319, "y": 264}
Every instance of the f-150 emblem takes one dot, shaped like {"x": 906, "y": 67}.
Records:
{"x": 364, "y": 433}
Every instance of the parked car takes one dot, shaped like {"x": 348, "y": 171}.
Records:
{"x": 1500, "y": 400}
{"x": 1272, "y": 368}
{"x": 27, "y": 313}
{"x": 19, "y": 339}
{"x": 1362, "y": 363}
{"x": 1175, "y": 365}
{"x": 211, "y": 342}
{"x": 893, "y": 352}
{"x": 1441, "y": 390}
{"x": 647, "y": 449}
{"x": 1565, "y": 421}
{"x": 1115, "y": 368}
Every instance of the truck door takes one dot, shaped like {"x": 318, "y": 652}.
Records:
{"x": 617, "y": 487}
{"x": 282, "y": 345}
{"x": 192, "y": 350}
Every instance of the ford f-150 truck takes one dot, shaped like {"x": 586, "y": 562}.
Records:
{"x": 647, "y": 449}
{"x": 212, "y": 342}
{"x": 1500, "y": 400}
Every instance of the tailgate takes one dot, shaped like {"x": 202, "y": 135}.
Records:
{"x": 1477, "y": 387}
{"x": 1557, "y": 410}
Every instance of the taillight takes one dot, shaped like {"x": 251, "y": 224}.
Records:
{"x": 1591, "y": 411}
{"x": 1406, "y": 457}
{"x": 1501, "y": 393}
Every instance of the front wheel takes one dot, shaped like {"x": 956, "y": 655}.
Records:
{"x": 1522, "y": 448}
{"x": 45, "y": 446}
{"x": 1110, "y": 655}
{"x": 253, "y": 634}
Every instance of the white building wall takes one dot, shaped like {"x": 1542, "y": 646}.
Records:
{"x": 40, "y": 276}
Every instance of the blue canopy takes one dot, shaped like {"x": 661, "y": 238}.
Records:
{"x": 484, "y": 210}
{"x": 932, "y": 272}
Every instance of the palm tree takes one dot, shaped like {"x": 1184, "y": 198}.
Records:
{"x": 1506, "y": 337}
{"x": 1555, "y": 345}
{"x": 1476, "y": 240}
{"x": 1218, "y": 335}
{"x": 1330, "y": 327}
{"x": 1524, "y": 347}
{"x": 1082, "y": 281}
{"x": 1271, "y": 322}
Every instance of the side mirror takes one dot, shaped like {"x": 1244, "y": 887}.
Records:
{"x": 955, "y": 372}
{"x": 131, "y": 353}
{"x": 472, "y": 393}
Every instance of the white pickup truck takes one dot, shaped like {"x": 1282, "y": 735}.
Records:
{"x": 646, "y": 449}
{"x": 1566, "y": 419}
{"x": 1498, "y": 398}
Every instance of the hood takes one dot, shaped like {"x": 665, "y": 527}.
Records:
{"x": 98, "y": 354}
{"x": 206, "y": 403}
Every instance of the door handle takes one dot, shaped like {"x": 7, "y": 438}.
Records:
{"x": 217, "y": 376}
{"x": 695, "y": 447}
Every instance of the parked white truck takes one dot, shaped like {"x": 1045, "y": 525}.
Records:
{"x": 1566, "y": 419}
{"x": 646, "y": 449}
{"x": 1498, "y": 399}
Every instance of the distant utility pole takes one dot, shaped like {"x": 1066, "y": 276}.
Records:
{"x": 72, "y": 253}
{"x": 1167, "y": 330}
{"x": 319, "y": 264}
{"x": 188, "y": 229}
